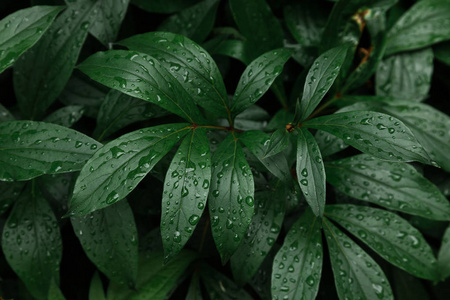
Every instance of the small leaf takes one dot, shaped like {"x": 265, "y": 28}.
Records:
{"x": 31, "y": 242}
{"x": 22, "y": 29}
{"x": 377, "y": 134}
{"x": 186, "y": 188}
{"x": 5, "y": 115}
{"x": 96, "y": 291}
{"x": 297, "y": 267}
{"x": 279, "y": 140}
{"x": 54, "y": 293}
{"x": 142, "y": 76}
{"x": 253, "y": 118}
{"x": 396, "y": 186}
{"x": 236, "y": 49}
{"x": 310, "y": 171}
{"x": 190, "y": 64}
{"x": 444, "y": 255}
{"x": 425, "y": 23}
{"x": 392, "y": 237}
{"x": 117, "y": 168}
{"x": 66, "y": 116}
{"x": 231, "y": 202}
{"x": 30, "y": 149}
{"x": 320, "y": 78}
{"x": 109, "y": 239}
{"x": 356, "y": 274}
{"x": 257, "y": 78}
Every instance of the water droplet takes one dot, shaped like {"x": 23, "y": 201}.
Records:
{"x": 193, "y": 220}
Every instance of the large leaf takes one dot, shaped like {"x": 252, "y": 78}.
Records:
{"x": 374, "y": 133}
{"x": 29, "y": 149}
{"x": 262, "y": 233}
{"x": 328, "y": 143}
{"x": 310, "y": 171}
{"x": 444, "y": 255}
{"x": 66, "y": 116}
{"x": 186, "y": 188}
{"x": 22, "y": 29}
{"x": 425, "y": 23}
{"x": 142, "y": 76}
{"x": 320, "y": 78}
{"x": 406, "y": 75}
{"x": 163, "y": 6}
{"x": 396, "y": 186}
{"x": 109, "y": 239}
{"x": 194, "y": 22}
{"x": 42, "y": 72}
{"x": 31, "y": 242}
{"x": 220, "y": 287}
{"x": 117, "y": 168}
{"x": 191, "y": 65}
{"x": 297, "y": 267}
{"x": 392, "y": 237}
{"x": 257, "y": 78}
{"x": 356, "y": 274}
{"x": 231, "y": 203}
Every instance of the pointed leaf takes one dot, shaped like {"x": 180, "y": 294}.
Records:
{"x": 231, "y": 203}
{"x": 396, "y": 186}
{"x": 117, "y": 168}
{"x": 142, "y": 76}
{"x": 378, "y": 134}
{"x": 310, "y": 171}
{"x": 444, "y": 255}
{"x": 186, "y": 188}
{"x": 22, "y": 29}
{"x": 220, "y": 287}
{"x": 29, "y": 149}
{"x": 258, "y": 77}
{"x": 297, "y": 267}
{"x": 279, "y": 140}
{"x": 190, "y": 64}
{"x": 54, "y": 293}
{"x": 96, "y": 291}
{"x": 392, "y": 237}
{"x": 66, "y": 116}
{"x": 31, "y": 242}
{"x": 356, "y": 274}
{"x": 109, "y": 239}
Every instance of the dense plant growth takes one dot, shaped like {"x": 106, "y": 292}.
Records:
{"x": 234, "y": 149}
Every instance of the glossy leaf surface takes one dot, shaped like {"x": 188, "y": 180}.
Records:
{"x": 66, "y": 116}
{"x": 279, "y": 140}
{"x": 328, "y": 143}
{"x": 117, "y": 168}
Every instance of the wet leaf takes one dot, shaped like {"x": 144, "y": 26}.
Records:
{"x": 117, "y": 168}
{"x": 279, "y": 140}
{"x": 328, "y": 143}
{"x": 231, "y": 202}
{"x": 396, "y": 186}
{"x": 392, "y": 237}
{"x": 186, "y": 188}
{"x": 96, "y": 291}
{"x": 444, "y": 255}
{"x": 66, "y": 116}
{"x": 297, "y": 267}
{"x": 30, "y": 149}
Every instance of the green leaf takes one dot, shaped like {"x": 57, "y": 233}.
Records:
{"x": 256, "y": 142}
{"x": 30, "y": 149}
{"x": 107, "y": 23}
{"x": 257, "y": 78}
{"x": 163, "y": 6}
{"x": 444, "y": 255}
{"x": 374, "y": 133}
{"x": 9, "y": 191}
{"x": 117, "y": 168}
{"x": 54, "y": 293}
{"x": 119, "y": 110}
{"x": 31, "y": 242}
{"x": 442, "y": 52}
{"x": 5, "y": 115}
{"x": 396, "y": 186}
{"x": 220, "y": 287}
{"x": 186, "y": 188}
{"x": 356, "y": 274}
{"x": 279, "y": 140}
{"x": 194, "y": 22}
{"x": 406, "y": 75}
{"x": 328, "y": 143}
{"x": 109, "y": 239}
{"x": 66, "y": 116}
{"x": 142, "y": 76}
{"x": 320, "y": 78}
{"x": 310, "y": 171}
{"x": 155, "y": 281}
{"x": 190, "y": 64}
{"x": 236, "y": 49}
{"x": 261, "y": 234}
{"x": 42, "y": 72}
{"x": 425, "y": 23}
{"x": 392, "y": 237}
{"x": 297, "y": 267}
{"x": 96, "y": 291}
{"x": 253, "y": 118}
{"x": 194, "y": 291}
{"x": 231, "y": 202}
{"x": 22, "y": 29}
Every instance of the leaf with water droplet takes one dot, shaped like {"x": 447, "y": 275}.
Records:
{"x": 66, "y": 116}
{"x": 297, "y": 267}
{"x": 139, "y": 151}
{"x": 182, "y": 197}
{"x": 356, "y": 274}
{"x": 279, "y": 140}
{"x": 444, "y": 255}
{"x": 392, "y": 237}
